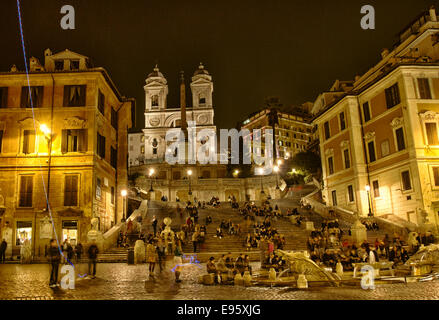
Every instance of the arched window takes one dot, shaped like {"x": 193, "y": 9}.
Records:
{"x": 154, "y": 146}
{"x": 201, "y": 99}
{"x": 155, "y": 101}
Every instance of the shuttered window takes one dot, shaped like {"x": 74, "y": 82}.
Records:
{"x": 28, "y": 141}
{"x": 32, "y": 96}
{"x": 371, "y": 149}
{"x": 74, "y": 140}
{"x": 347, "y": 160}
{"x": 334, "y": 197}
{"x": 436, "y": 176}
{"x": 74, "y": 96}
{"x": 400, "y": 139}
{"x": 327, "y": 132}
{"x": 330, "y": 165}
{"x": 406, "y": 184}
{"x": 392, "y": 96}
{"x": 424, "y": 88}
{"x": 113, "y": 158}
{"x": 71, "y": 190}
{"x": 3, "y": 97}
{"x": 342, "y": 121}
{"x": 101, "y": 146}
{"x": 366, "y": 112}
{"x": 350, "y": 194}
{"x": 26, "y": 188}
{"x": 376, "y": 189}
{"x": 431, "y": 129}
{"x": 101, "y": 102}
{"x": 114, "y": 118}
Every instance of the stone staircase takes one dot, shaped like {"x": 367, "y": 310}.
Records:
{"x": 114, "y": 255}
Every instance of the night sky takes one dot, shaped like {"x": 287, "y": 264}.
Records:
{"x": 253, "y": 49}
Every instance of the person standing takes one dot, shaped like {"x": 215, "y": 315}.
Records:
{"x": 151, "y": 252}
{"x": 92, "y": 258}
{"x": 195, "y": 236}
{"x": 3, "y": 247}
{"x": 154, "y": 224}
{"x": 54, "y": 259}
{"x": 79, "y": 251}
{"x": 178, "y": 261}
{"x": 161, "y": 253}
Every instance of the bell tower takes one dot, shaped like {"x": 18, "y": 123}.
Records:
{"x": 202, "y": 88}
{"x": 156, "y": 91}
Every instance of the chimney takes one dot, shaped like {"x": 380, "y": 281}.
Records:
{"x": 433, "y": 14}
{"x": 183, "y": 104}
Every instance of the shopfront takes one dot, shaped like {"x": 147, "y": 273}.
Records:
{"x": 23, "y": 232}
{"x": 70, "y": 231}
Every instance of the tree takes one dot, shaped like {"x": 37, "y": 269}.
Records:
{"x": 308, "y": 161}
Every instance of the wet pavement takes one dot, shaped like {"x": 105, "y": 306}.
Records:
{"x": 131, "y": 282}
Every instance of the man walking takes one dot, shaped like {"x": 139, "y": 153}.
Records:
{"x": 54, "y": 258}
{"x": 154, "y": 224}
{"x": 3, "y": 247}
{"x": 92, "y": 257}
{"x": 195, "y": 236}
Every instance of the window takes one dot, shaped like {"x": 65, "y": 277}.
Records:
{"x": 342, "y": 121}
{"x": 154, "y": 146}
{"x": 400, "y": 143}
{"x": 98, "y": 188}
{"x": 376, "y": 189}
{"x": 59, "y": 65}
{"x": 71, "y": 191}
{"x": 371, "y": 149}
{"x": 101, "y": 146}
{"x": 202, "y": 100}
{"x": 142, "y": 149}
{"x": 331, "y": 165}
{"x": 347, "y": 160}
{"x": 26, "y": 188}
{"x": 155, "y": 101}
{"x": 424, "y": 88}
{"x": 1, "y": 140}
{"x": 334, "y": 197}
{"x": 74, "y": 64}
{"x": 431, "y": 129}
{"x": 24, "y": 232}
{"x": 112, "y": 195}
{"x": 113, "y": 159}
{"x": 74, "y": 140}
{"x": 406, "y": 184}
{"x": 350, "y": 194}
{"x": 3, "y": 97}
{"x": 114, "y": 118}
{"x": 385, "y": 148}
{"x": 101, "y": 102}
{"x": 366, "y": 111}
{"x": 35, "y": 98}
{"x": 74, "y": 96}
{"x": 436, "y": 176}
{"x": 28, "y": 141}
{"x": 326, "y": 128}
{"x": 392, "y": 96}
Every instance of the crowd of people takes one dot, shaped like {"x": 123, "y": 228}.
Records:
{"x": 228, "y": 266}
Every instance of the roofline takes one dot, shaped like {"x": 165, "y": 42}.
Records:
{"x": 355, "y": 93}
{"x": 91, "y": 70}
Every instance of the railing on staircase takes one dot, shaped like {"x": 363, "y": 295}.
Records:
{"x": 110, "y": 237}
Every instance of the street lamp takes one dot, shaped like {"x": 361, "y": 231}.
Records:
{"x": 276, "y": 169}
{"x": 189, "y": 173}
{"x": 368, "y": 200}
{"x": 151, "y": 172}
{"x": 124, "y": 195}
{"x": 236, "y": 172}
{"x": 261, "y": 172}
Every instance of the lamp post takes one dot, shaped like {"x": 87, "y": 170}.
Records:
{"x": 276, "y": 169}
{"x": 368, "y": 200}
{"x": 189, "y": 173}
{"x": 261, "y": 172}
{"x": 124, "y": 196}
{"x": 236, "y": 173}
{"x": 151, "y": 172}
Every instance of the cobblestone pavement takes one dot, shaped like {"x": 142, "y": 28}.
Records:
{"x": 129, "y": 282}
